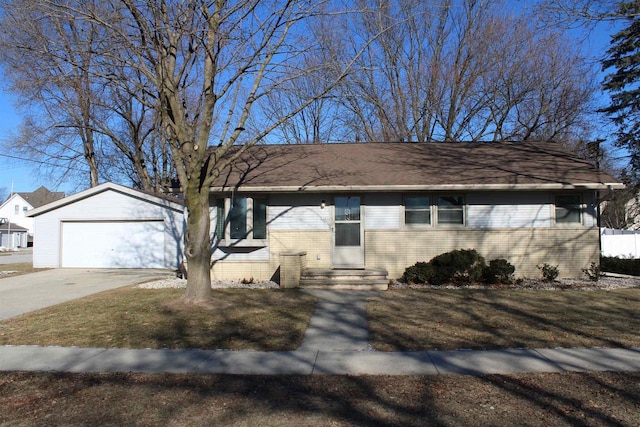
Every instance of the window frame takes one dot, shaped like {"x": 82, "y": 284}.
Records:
{"x": 462, "y": 210}
{"x": 580, "y": 209}
{"x": 428, "y": 224}
{"x": 434, "y": 210}
{"x": 224, "y": 205}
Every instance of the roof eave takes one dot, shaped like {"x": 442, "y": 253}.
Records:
{"x": 438, "y": 187}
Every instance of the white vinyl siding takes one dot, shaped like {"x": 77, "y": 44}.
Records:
{"x": 299, "y": 212}
{"x": 508, "y": 210}
{"x": 382, "y": 211}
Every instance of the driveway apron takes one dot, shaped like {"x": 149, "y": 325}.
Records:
{"x": 29, "y": 292}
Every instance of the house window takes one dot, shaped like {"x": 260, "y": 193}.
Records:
{"x": 241, "y": 218}
{"x": 451, "y": 210}
{"x": 24, "y": 209}
{"x": 17, "y": 209}
{"x": 417, "y": 210}
{"x": 568, "y": 209}
{"x": 238, "y": 218}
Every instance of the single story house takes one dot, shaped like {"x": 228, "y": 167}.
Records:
{"x": 389, "y": 205}
{"x": 109, "y": 226}
{"x": 12, "y": 236}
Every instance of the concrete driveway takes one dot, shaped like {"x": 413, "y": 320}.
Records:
{"x": 28, "y": 292}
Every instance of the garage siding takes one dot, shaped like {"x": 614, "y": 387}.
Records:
{"x": 108, "y": 207}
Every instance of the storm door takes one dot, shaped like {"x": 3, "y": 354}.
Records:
{"x": 348, "y": 244}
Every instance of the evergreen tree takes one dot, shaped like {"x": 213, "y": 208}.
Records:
{"x": 623, "y": 83}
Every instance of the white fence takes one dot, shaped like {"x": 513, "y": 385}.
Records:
{"x": 620, "y": 243}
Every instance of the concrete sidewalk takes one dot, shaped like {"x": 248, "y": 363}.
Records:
{"x": 336, "y": 343}
{"x": 73, "y": 359}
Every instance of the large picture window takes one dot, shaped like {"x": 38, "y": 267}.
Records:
{"x": 568, "y": 209}
{"x": 241, "y": 218}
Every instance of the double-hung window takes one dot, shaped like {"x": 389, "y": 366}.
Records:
{"x": 568, "y": 209}
{"x": 417, "y": 210}
{"x": 424, "y": 209}
{"x": 241, "y": 219}
{"x": 451, "y": 210}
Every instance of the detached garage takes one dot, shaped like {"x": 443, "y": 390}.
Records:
{"x": 109, "y": 226}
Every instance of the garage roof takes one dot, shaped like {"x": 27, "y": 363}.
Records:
{"x": 165, "y": 201}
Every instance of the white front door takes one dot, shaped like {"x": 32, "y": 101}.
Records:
{"x": 348, "y": 242}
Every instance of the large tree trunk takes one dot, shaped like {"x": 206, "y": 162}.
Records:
{"x": 198, "y": 246}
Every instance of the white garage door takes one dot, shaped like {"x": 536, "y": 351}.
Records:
{"x": 113, "y": 244}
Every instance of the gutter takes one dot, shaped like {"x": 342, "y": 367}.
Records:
{"x": 439, "y": 187}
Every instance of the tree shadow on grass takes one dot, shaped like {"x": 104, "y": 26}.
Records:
{"x": 606, "y": 399}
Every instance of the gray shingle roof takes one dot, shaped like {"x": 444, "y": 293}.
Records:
{"x": 6, "y": 226}
{"x": 41, "y": 196}
{"x": 406, "y": 166}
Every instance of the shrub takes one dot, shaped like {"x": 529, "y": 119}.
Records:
{"x": 620, "y": 265}
{"x": 420, "y": 272}
{"x": 498, "y": 271}
{"x": 549, "y": 272}
{"x": 458, "y": 266}
{"x": 593, "y": 272}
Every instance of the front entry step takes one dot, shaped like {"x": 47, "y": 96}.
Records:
{"x": 341, "y": 278}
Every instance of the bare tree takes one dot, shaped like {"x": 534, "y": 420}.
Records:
{"x": 77, "y": 123}
{"x": 130, "y": 121}
{"x": 207, "y": 65}
{"x": 460, "y": 70}
{"x": 570, "y": 13}
{"x": 48, "y": 58}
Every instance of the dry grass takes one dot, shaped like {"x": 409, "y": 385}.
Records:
{"x": 489, "y": 319}
{"x": 17, "y": 269}
{"x": 567, "y": 399}
{"x": 140, "y": 318}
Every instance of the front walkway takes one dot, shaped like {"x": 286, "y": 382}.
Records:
{"x": 336, "y": 343}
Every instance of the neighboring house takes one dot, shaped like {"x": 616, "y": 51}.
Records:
{"x": 389, "y": 205}
{"x": 14, "y": 209}
{"x": 109, "y": 226}
{"x": 12, "y": 236}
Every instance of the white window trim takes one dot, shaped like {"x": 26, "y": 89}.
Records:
{"x": 464, "y": 211}
{"x": 404, "y": 211}
{"x": 433, "y": 203}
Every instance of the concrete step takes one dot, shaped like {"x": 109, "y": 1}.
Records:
{"x": 342, "y": 278}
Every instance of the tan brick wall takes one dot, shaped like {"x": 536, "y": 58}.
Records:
{"x": 570, "y": 248}
{"x": 314, "y": 243}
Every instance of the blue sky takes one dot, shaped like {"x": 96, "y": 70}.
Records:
{"x": 22, "y": 175}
